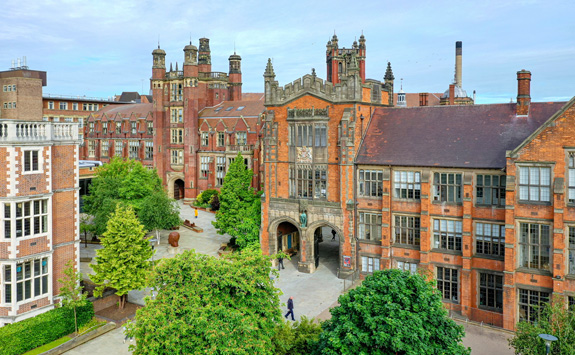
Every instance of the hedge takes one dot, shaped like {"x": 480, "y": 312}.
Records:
{"x": 206, "y": 196}
{"x": 31, "y": 333}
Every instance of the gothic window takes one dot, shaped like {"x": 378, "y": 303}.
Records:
{"x": 177, "y": 136}
{"x": 177, "y": 157}
{"x": 150, "y": 128}
{"x": 308, "y": 181}
{"x": 118, "y": 127}
{"x": 133, "y": 127}
{"x": 221, "y": 139}
{"x": 205, "y": 139}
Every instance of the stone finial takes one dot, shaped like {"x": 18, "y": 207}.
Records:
{"x": 389, "y": 73}
{"x": 269, "y": 73}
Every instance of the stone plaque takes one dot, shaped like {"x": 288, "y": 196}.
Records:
{"x": 304, "y": 155}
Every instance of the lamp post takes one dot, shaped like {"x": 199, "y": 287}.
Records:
{"x": 548, "y": 340}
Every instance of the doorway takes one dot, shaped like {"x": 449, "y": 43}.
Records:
{"x": 288, "y": 239}
{"x": 178, "y": 189}
{"x": 327, "y": 249}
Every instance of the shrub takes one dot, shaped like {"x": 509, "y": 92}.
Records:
{"x": 215, "y": 203}
{"x": 206, "y": 196}
{"x": 31, "y": 333}
{"x": 297, "y": 338}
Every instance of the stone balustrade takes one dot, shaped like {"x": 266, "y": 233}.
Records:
{"x": 12, "y": 131}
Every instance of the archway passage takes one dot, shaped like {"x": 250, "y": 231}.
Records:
{"x": 327, "y": 249}
{"x": 288, "y": 239}
{"x": 178, "y": 189}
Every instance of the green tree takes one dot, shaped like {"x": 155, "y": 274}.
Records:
{"x": 296, "y": 338}
{"x": 71, "y": 290}
{"x": 126, "y": 181}
{"x": 240, "y": 206}
{"x": 555, "y": 319}
{"x": 158, "y": 211}
{"x": 392, "y": 312}
{"x": 122, "y": 263}
{"x": 210, "y": 305}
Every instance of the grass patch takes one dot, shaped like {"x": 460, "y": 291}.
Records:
{"x": 48, "y": 346}
{"x": 91, "y": 325}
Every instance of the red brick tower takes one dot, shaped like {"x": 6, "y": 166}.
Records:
{"x": 235, "y": 81}
{"x": 339, "y": 61}
{"x": 523, "y": 92}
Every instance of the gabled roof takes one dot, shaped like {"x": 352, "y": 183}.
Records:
{"x": 474, "y": 136}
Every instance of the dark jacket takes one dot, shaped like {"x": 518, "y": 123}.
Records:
{"x": 290, "y": 304}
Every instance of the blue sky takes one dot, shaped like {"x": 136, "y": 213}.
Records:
{"x": 100, "y": 48}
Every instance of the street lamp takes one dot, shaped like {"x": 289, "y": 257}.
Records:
{"x": 548, "y": 340}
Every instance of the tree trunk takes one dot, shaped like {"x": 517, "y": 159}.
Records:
{"x": 158, "y": 236}
{"x": 75, "y": 321}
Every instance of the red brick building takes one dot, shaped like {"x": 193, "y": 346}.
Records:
{"x": 38, "y": 176}
{"x": 479, "y": 195}
{"x": 198, "y": 121}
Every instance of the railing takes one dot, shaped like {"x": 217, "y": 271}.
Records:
{"x": 213, "y": 75}
{"x": 12, "y": 131}
{"x": 240, "y": 148}
{"x": 77, "y": 97}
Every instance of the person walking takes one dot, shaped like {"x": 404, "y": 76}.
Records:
{"x": 280, "y": 263}
{"x": 196, "y": 212}
{"x": 333, "y": 233}
{"x": 290, "y": 308}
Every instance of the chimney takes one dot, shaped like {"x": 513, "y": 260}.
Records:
{"x": 458, "y": 65}
{"x": 523, "y": 92}
{"x": 452, "y": 94}
{"x": 423, "y": 99}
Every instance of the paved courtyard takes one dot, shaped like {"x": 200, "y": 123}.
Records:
{"x": 313, "y": 293}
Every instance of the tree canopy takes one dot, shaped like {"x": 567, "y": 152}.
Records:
{"x": 122, "y": 263}
{"x": 125, "y": 181}
{"x": 158, "y": 211}
{"x": 555, "y": 319}
{"x": 392, "y": 312}
{"x": 240, "y": 206}
{"x": 208, "y": 305}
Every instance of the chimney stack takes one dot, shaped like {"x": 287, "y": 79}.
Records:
{"x": 458, "y": 65}
{"x": 452, "y": 94}
{"x": 423, "y": 99}
{"x": 523, "y": 92}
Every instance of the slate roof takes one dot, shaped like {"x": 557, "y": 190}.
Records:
{"x": 245, "y": 108}
{"x": 474, "y": 136}
{"x": 141, "y": 110}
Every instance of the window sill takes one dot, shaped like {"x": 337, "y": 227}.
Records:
{"x": 370, "y": 197}
{"x": 478, "y": 205}
{"x": 447, "y": 251}
{"x": 490, "y": 257}
{"x": 417, "y": 200}
{"x": 540, "y": 203}
{"x": 445, "y": 300}
{"x": 491, "y": 309}
{"x": 406, "y": 246}
{"x": 570, "y": 277}
{"x": 369, "y": 241}
{"x": 435, "y": 202}
{"x": 534, "y": 271}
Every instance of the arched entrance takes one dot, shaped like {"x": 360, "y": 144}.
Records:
{"x": 327, "y": 248}
{"x": 178, "y": 189}
{"x": 288, "y": 239}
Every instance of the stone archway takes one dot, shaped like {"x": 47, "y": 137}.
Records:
{"x": 171, "y": 178}
{"x": 327, "y": 250}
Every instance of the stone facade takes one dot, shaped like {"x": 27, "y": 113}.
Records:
{"x": 312, "y": 130}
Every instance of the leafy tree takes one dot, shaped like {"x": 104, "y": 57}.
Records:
{"x": 296, "y": 338}
{"x": 206, "y": 196}
{"x": 86, "y": 227}
{"x": 209, "y": 305}
{"x": 215, "y": 203}
{"x": 555, "y": 319}
{"x": 71, "y": 290}
{"x": 126, "y": 181}
{"x": 392, "y": 312}
{"x": 240, "y": 207}
{"x": 123, "y": 261}
{"x": 158, "y": 211}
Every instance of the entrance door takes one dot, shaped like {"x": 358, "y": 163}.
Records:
{"x": 178, "y": 189}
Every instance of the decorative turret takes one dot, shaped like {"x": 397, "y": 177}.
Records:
{"x": 159, "y": 56}
{"x": 235, "y": 77}
{"x": 190, "y": 54}
{"x": 388, "y": 82}
{"x": 339, "y": 60}
{"x": 362, "y": 41}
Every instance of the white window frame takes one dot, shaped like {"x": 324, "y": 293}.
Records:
{"x": 534, "y": 185}
{"x": 370, "y": 264}
{"x": 28, "y": 155}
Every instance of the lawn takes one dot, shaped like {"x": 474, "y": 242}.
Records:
{"x": 48, "y": 346}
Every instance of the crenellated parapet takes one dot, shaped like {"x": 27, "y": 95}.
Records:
{"x": 349, "y": 89}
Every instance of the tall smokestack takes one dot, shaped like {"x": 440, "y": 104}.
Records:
{"x": 458, "y": 66}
